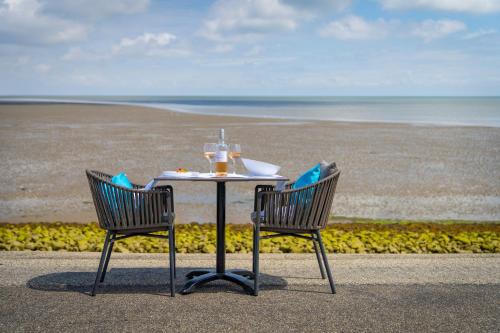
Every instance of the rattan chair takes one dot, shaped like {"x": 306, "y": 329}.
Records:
{"x": 124, "y": 213}
{"x": 299, "y": 212}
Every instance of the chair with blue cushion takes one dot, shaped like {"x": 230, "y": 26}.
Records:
{"x": 125, "y": 210}
{"x": 301, "y": 210}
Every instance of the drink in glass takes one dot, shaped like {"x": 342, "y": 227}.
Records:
{"x": 209, "y": 153}
{"x": 234, "y": 154}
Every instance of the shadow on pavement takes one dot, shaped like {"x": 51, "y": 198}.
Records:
{"x": 138, "y": 280}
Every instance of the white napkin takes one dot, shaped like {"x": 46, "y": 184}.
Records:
{"x": 280, "y": 185}
{"x": 180, "y": 174}
{"x": 205, "y": 175}
{"x": 149, "y": 185}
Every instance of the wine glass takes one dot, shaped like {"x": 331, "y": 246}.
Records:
{"x": 209, "y": 152}
{"x": 234, "y": 154}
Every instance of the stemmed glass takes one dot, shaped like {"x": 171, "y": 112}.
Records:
{"x": 209, "y": 152}
{"x": 234, "y": 154}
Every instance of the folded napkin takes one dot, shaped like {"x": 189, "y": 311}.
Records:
{"x": 180, "y": 174}
{"x": 149, "y": 185}
{"x": 280, "y": 185}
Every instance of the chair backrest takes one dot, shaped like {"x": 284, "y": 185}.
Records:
{"x": 307, "y": 208}
{"x": 321, "y": 201}
{"x": 119, "y": 208}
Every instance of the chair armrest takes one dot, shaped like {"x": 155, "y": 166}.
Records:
{"x": 166, "y": 189}
{"x": 260, "y": 189}
{"x": 268, "y": 188}
{"x": 273, "y": 204}
{"x": 163, "y": 193}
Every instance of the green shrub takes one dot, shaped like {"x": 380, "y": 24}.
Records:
{"x": 362, "y": 236}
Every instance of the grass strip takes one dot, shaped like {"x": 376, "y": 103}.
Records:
{"x": 351, "y": 236}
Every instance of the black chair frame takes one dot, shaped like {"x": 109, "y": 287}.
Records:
{"x": 125, "y": 213}
{"x": 292, "y": 212}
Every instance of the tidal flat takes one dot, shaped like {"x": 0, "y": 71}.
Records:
{"x": 392, "y": 171}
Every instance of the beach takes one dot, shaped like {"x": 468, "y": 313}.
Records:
{"x": 398, "y": 171}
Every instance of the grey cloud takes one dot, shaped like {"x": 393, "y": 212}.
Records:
{"x": 22, "y": 22}
{"x": 235, "y": 21}
{"x": 356, "y": 28}
{"x": 148, "y": 44}
{"x": 471, "y": 6}
{"x": 93, "y": 9}
{"x": 57, "y": 21}
{"x": 429, "y": 30}
{"x": 318, "y": 5}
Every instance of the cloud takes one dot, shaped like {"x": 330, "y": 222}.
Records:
{"x": 43, "y": 68}
{"x": 480, "y": 33}
{"x": 234, "y": 20}
{"x": 223, "y": 48}
{"x": 77, "y": 54}
{"x": 57, "y": 21}
{"x": 93, "y": 9}
{"x": 316, "y": 6}
{"x": 245, "y": 61}
{"x": 22, "y": 60}
{"x": 471, "y": 6}
{"x": 149, "y": 44}
{"x": 144, "y": 41}
{"x": 167, "y": 52}
{"x": 429, "y": 30}
{"x": 22, "y": 22}
{"x": 254, "y": 51}
{"x": 355, "y": 27}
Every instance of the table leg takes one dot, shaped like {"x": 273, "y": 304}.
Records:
{"x": 238, "y": 276}
{"x": 221, "y": 227}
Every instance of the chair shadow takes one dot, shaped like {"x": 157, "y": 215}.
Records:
{"x": 140, "y": 280}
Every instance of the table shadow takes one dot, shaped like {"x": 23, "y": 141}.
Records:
{"x": 138, "y": 280}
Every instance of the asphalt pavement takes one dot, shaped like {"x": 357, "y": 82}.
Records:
{"x": 48, "y": 291}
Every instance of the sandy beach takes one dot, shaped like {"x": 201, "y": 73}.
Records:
{"x": 388, "y": 170}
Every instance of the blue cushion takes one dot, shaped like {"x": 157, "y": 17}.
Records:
{"x": 111, "y": 194}
{"x": 121, "y": 179}
{"x": 309, "y": 177}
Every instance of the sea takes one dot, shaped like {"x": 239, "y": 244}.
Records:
{"x": 448, "y": 111}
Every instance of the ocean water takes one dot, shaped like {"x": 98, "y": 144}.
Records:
{"x": 467, "y": 111}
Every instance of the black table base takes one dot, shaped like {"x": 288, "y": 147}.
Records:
{"x": 241, "y": 277}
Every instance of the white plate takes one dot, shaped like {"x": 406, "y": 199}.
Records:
{"x": 180, "y": 174}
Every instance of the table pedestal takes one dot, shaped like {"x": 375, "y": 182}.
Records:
{"x": 239, "y": 276}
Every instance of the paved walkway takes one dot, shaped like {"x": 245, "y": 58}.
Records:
{"x": 43, "y": 291}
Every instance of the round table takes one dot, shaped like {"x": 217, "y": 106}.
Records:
{"x": 241, "y": 277}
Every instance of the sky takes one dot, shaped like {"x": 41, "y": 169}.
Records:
{"x": 250, "y": 47}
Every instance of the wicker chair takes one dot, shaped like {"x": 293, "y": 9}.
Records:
{"x": 124, "y": 213}
{"x": 301, "y": 212}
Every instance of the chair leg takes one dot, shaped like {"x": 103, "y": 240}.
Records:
{"x": 101, "y": 263}
{"x": 318, "y": 257}
{"x": 108, "y": 256}
{"x": 325, "y": 261}
{"x": 171, "y": 250}
{"x": 255, "y": 268}
{"x": 175, "y": 260}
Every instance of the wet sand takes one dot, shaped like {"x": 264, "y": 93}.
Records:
{"x": 388, "y": 170}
